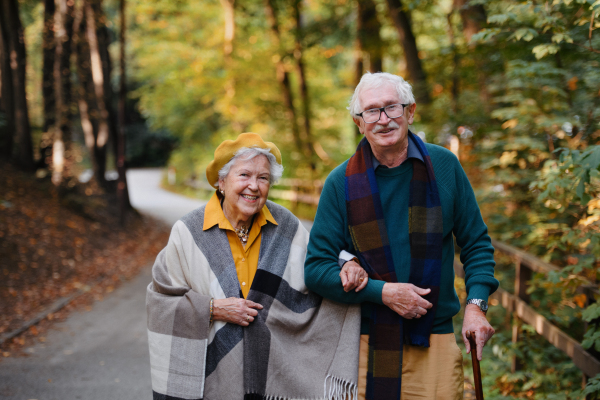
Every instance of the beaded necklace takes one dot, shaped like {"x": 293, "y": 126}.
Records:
{"x": 242, "y": 234}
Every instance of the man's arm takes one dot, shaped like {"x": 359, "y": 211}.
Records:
{"x": 477, "y": 256}
{"x": 329, "y": 235}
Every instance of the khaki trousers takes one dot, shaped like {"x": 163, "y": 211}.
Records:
{"x": 434, "y": 373}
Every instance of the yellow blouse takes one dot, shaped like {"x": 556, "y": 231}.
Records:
{"x": 245, "y": 258}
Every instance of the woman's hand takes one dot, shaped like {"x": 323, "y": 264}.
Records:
{"x": 234, "y": 310}
{"x": 353, "y": 277}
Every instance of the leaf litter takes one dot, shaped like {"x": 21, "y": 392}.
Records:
{"x": 50, "y": 250}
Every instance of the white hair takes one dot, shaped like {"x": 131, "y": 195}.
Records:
{"x": 378, "y": 79}
{"x": 248, "y": 153}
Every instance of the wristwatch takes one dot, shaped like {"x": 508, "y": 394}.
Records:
{"x": 483, "y": 305}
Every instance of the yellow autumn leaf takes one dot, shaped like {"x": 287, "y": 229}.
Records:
{"x": 593, "y": 204}
{"x": 589, "y": 220}
{"x": 511, "y": 123}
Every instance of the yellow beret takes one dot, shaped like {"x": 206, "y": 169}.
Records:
{"x": 226, "y": 150}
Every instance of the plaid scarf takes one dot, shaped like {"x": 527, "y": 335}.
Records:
{"x": 389, "y": 331}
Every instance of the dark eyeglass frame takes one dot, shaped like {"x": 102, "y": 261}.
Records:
{"x": 380, "y": 110}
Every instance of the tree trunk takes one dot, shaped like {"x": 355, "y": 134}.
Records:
{"x": 62, "y": 158}
{"x": 455, "y": 66}
{"x": 122, "y": 190}
{"x": 11, "y": 26}
{"x": 48, "y": 88}
{"x": 358, "y": 73}
{"x": 97, "y": 46}
{"x": 109, "y": 94}
{"x": 307, "y": 135}
{"x": 473, "y": 17}
{"x": 411, "y": 53}
{"x": 368, "y": 28}
{"x": 93, "y": 122}
{"x": 282, "y": 74}
{"x": 7, "y": 110}
{"x": 229, "y": 13}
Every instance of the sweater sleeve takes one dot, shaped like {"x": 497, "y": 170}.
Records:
{"x": 328, "y": 236}
{"x": 477, "y": 252}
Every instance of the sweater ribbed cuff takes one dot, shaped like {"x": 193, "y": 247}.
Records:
{"x": 373, "y": 291}
{"x": 479, "y": 291}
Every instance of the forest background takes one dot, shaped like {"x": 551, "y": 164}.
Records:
{"x": 515, "y": 83}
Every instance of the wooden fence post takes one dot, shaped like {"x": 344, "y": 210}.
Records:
{"x": 522, "y": 277}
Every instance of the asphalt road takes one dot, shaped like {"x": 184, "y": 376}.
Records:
{"x": 101, "y": 354}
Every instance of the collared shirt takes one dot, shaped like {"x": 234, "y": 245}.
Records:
{"x": 412, "y": 152}
{"x": 245, "y": 258}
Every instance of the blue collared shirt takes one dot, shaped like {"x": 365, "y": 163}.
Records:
{"x": 412, "y": 152}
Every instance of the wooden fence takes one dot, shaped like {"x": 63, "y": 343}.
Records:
{"x": 518, "y": 305}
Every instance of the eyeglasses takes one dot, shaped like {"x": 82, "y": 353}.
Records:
{"x": 374, "y": 114}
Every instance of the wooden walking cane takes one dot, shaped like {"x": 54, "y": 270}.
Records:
{"x": 476, "y": 370}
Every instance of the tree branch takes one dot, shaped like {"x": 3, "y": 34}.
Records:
{"x": 587, "y": 48}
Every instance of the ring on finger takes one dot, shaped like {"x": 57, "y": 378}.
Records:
{"x": 247, "y": 318}
{"x": 361, "y": 279}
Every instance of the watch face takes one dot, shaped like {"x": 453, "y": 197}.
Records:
{"x": 483, "y": 305}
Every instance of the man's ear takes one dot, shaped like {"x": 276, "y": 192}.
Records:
{"x": 357, "y": 122}
{"x": 411, "y": 113}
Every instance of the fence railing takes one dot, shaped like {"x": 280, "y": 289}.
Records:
{"x": 517, "y": 304}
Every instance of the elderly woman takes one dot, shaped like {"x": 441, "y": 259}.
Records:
{"x": 229, "y": 316}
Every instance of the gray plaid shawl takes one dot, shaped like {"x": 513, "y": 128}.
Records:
{"x": 299, "y": 347}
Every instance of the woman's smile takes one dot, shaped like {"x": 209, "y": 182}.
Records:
{"x": 245, "y": 189}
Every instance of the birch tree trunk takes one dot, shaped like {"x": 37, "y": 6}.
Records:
{"x": 62, "y": 157}
{"x": 229, "y": 14}
{"x": 93, "y": 123}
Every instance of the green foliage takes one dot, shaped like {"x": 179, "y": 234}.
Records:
{"x": 190, "y": 88}
{"x": 543, "y": 191}
{"x": 593, "y": 388}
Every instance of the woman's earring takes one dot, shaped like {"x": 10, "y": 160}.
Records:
{"x": 222, "y": 192}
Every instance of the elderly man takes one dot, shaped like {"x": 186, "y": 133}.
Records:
{"x": 396, "y": 204}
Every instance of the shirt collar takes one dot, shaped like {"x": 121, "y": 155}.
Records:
{"x": 412, "y": 152}
{"x": 213, "y": 215}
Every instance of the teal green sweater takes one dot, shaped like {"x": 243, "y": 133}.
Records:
{"x": 329, "y": 235}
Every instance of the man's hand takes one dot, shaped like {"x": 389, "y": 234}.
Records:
{"x": 353, "y": 277}
{"x": 475, "y": 321}
{"x": 405, "y": 299}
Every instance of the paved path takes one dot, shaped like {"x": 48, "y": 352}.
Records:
{"x": 101, "y": 354}
{"x": 147, "y": 197}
